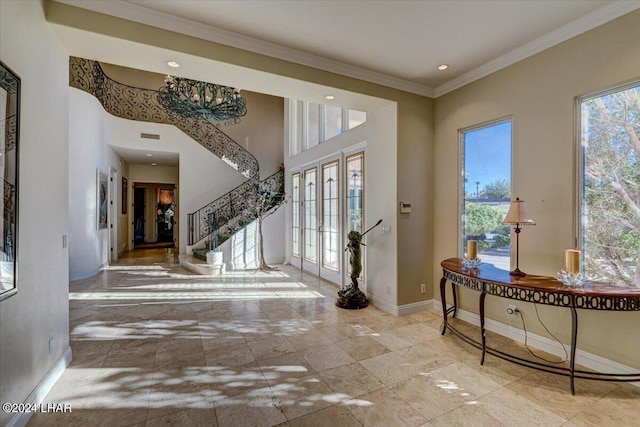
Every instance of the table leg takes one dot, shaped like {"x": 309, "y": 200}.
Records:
{"x": 443, "y": 297}
{"x": 574, "y": 339}
{"x": 455, "y": 299}
{"x": 482, "y": 331}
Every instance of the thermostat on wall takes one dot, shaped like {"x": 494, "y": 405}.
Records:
{"x": 405, "y": 208}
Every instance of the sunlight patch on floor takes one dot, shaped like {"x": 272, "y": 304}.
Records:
{"x": 172, "y": 296}
{"x": 215, "y": 286}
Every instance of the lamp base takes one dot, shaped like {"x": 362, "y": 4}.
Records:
{"x": 518, "y": 273}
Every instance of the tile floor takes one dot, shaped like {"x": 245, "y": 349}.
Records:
{"x": 154, "y": 345}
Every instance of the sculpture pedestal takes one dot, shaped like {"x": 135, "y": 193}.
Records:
{"x": 352, "y": 300}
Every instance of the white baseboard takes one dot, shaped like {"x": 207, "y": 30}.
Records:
{"x": 384, "y": 305}
{"x": 401, "y": 310}
{"x": 415, "y": 307}
{"x": 44, "y": 387}
{"x": 584, "y": 358}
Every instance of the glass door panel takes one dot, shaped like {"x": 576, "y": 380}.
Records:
{"x": 330, "y": 229}
{"x": 295, "y": 215}
{"x": 310, "y": 235}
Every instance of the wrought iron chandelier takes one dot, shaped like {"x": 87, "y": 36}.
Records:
{"x": 196, "y": 99}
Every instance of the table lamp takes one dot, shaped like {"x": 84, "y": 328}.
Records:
{"x": 518, "y": 215}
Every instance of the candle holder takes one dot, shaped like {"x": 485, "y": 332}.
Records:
{"x": 470, "y": 264}
{"x": 573, "y": 280}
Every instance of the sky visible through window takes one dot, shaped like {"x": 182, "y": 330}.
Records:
{"x": 489, "y": 150}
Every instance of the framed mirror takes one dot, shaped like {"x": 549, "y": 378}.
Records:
{"x": 9, "y": 136}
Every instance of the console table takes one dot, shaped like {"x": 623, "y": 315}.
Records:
{"x": 489, "y": 280}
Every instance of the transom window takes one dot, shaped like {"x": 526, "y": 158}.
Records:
{"x": 313, "y": 124}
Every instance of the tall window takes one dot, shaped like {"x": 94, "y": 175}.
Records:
{"x": 295, "y": 214}
{"x": 486, "y": 190}
{"x": 310, "y": 218}
{"x": 355, "y": 196}
{"x": 610, "y": 178}
{"x": 330, "y": 215}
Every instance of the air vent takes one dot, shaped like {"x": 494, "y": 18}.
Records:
{"x": 149, "y": 136}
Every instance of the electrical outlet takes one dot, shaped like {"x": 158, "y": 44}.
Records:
{"x": 423, "y": 288}
{"x": 512, "y": 310}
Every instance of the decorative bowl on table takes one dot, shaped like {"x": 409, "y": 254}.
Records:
{"x": 574, "y": 280}
{"x": 468, "y": 263}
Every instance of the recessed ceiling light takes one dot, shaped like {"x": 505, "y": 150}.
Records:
{"x": 149, "y": 155}
{"x": 443, "y": 67}
{"x": 173, "y": 64}
{"x": 154, "y": 164}
{"x": 329, "y": 97}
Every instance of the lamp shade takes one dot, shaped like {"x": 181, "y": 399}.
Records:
{"x": 518, "y": 214}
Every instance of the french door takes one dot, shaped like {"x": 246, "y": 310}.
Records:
{"x": 316, "y": 219}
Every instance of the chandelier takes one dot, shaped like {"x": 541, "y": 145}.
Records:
{"x": 195, "y": 99}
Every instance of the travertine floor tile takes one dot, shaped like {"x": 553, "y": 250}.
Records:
{"x": 361, "y": 348}
{"x": 291, "y": 360}
{"x": 333, "y": 416}
{"x": 238, "y": 354}
{"x": 326, "y": 357}
{"x": 304, "y": 395}
{"x": 270, "y": 347}
{"x": 431, "y": 398}
{"x": 255, "y": 408}
{"x": 514, "y": 410}
{"x": 351, "y": 380}
{"x": 235, "y": 380}
{"x": 384, "y": 408}
{"x": 467, "y": 415}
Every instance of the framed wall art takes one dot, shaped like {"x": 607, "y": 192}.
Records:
{"x": 103, "y": 199}
{"x": 124, "y": 195}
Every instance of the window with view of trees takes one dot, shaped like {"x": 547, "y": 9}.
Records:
{"x": 486, "y": 190}
{"x": 610, "y": 178}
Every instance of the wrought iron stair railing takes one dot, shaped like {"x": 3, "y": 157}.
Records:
{"x": 228, "y": 219}
{"x": 139, "y": 104}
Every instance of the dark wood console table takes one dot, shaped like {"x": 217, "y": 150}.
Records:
{"x": 489, "y": 280}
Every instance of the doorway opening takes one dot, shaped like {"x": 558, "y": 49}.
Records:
{"x": 154, "y": 215}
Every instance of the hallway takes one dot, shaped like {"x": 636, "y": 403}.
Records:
{"x": 156, "y": 345}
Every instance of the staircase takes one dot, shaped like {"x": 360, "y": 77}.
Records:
{"x": 234, "y": 215}
{"x": 220, "y": 219}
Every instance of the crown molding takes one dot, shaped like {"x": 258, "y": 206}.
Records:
{"x": 142, "y": 15}
{"x": 588, "y": 22}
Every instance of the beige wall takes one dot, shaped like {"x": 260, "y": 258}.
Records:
{"x": 540, "y": 94}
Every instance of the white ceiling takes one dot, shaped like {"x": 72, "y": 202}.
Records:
{"x": 141, "y": 157}
{"x": 398, "y": 43}
{"x": 394, "y": 43}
